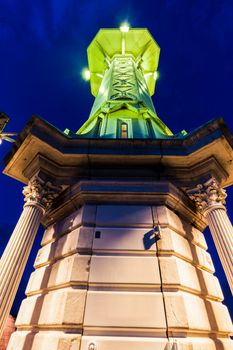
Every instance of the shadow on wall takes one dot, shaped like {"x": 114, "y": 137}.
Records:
{"x": 151, "y": 237}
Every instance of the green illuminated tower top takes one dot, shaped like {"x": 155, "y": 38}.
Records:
{"x": 122, "y": 69}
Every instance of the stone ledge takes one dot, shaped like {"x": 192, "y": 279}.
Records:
{"x": 53, "y": 309}
{"x": 78, "y": 240}
{"x": 51, "y": 340}
{"x": 72, "y": 269}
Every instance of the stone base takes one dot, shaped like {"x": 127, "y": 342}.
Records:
{"x": 101, "y": 278}
{"x": 52, "y": 340}
{"x": 46, "y": 340}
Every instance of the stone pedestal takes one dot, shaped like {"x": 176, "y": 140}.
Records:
{"x": 103, "y": 281}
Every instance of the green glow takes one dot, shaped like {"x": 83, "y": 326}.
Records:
{"x": 123, "y": 66}
{"x": 66, "y": 131}
{"x": 86, "y": 74}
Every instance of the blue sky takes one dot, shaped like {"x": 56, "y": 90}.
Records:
{"x": 43, "y": 50}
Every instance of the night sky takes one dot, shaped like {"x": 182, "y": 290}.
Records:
{"x": 43, "y": 50}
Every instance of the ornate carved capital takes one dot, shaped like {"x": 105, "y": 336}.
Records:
{"x": 208, "y": 195}
{"x": 40, "y": 193}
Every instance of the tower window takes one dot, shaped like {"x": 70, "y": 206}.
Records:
{"x": 124, "y": 130}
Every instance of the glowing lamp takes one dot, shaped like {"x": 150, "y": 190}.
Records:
{"x": 86, "y": 74}
{"x": 156, "y": 75}
{"x": 124, "y": 28}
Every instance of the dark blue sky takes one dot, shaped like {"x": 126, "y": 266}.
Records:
{"x": 43, "y": 50}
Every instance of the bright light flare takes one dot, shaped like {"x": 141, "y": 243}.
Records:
{"x": 124, "y": 27}
{"x": 86, "y": 74}
{"x": 156, "y": 75}
{"x": 0, "y": 140}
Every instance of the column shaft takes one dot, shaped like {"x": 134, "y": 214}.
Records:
{"x": 222, "y": 232}
{"x": 15, "y": 257}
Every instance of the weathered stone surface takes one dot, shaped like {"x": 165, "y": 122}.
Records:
{"x": 130, "y": 239}
{"x": 124, "y": 343}
{"x": 72, "y": 269}
{"x": 124, "y": 215}
{"x": 44, "y": 340}
{"x": 119, "y": 264}
{"x": 123, "y": 269}
{"x": 219, "y": 317}
{"x": 166, "y": 217}
{"x": 177, "y": 272}
{"x": 124, "y": 309}
{"x": 143, "y": 343}
{"x": 188, "y": 311}
{"x": 175, "y": 244}
{"x": 83, "y": 216}
{"x": 56, "y": 308}
{"x": 172, "y": 242}
{"x": 180, "y": 273}
{"x": 45, "y": 254}
{"x": 79, "y": 239}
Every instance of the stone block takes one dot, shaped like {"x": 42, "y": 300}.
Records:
{"x": 55, "y": 308}
{"x": 177, "y": 222}
{"x": 203, "y": 258}
{"x": 124, "y": 270}
{"x": 199, "y": 343}
{"x": 72, "y": 269}
{"x": 210, "y": 284}
{"x": 186, "y": 311}
{"x": 70, "y": 222}
{"x": 86, "y": 236}
{"x": 83, "y": 216}
{"x": 177, "y": 272}
{"x": 219, "y": 317}
{"x": 130, "y": 239}
{"x": 124, "y": 215}
{"x": 173, "y": 243}
{"x": 160, "y": 215}
{"x": 79, "y": 239}
{"x": 166, "y": 217}
{"x": 39, "y": 279}
{"x": 124, "y": 343}
{"x": 49, "y": 235}
{"x": 89, "y": 215}
{"x": 45, "y": 254}
{"x": 45, "y": 340}
{"x": 80, "y": 268}
{"x": 195, "y": 236}
{"x": 124, "y": 310}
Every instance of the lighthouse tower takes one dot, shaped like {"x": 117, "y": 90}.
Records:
{"x": 123, "y": 262}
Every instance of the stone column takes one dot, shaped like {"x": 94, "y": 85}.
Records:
{"x": 210, "y": 200}
{"x": 38, "y": 197}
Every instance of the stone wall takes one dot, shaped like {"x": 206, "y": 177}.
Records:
{"x": 101, "y": 281}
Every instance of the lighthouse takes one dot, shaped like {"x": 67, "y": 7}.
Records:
{"x": 123, "y": 262}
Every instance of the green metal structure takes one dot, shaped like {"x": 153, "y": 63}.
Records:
{"x": 123, "y": 68}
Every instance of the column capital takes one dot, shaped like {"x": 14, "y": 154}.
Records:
{"x": 208, "y": 196}
{"x": 40, "y": 193}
